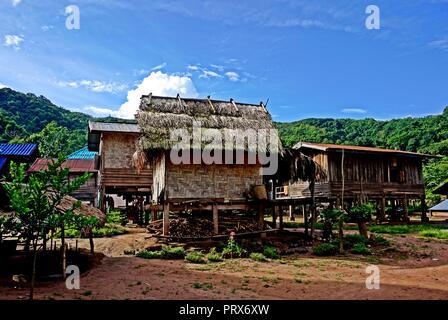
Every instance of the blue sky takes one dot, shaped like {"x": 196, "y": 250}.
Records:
{"x": 310, "y": 58}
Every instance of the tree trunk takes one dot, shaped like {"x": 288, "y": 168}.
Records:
{"x": 92, "y": 246}
{"x": 341, "y": 235}
{"x": 33, "y": 270}
{"x": 362, "y": 226}
{"x": 64, "y": 261}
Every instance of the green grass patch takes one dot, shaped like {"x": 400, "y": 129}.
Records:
{"x": 258, "y": 257}
{"x": 270, "y": 252}
{"x": 438, "y": 234}
{"x": 214, "y": 256}
{"x": 196, "y": 257}
{"x": 360, "y": 248}
{"x": 165, "y": 253}
{"x": 405, "y": 228}
{"x": 204, "y": 286}
{"x": 325, "y": 249}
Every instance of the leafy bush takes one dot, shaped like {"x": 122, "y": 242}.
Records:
{"x": 258, "y": 257}
{"x": 353, "y": 239}
{"x": 325, "y": 249}
{"x": 233, "y": 249}
{"x": 362, "y": 212}
{"x": 382, "y": 241}
{"x": 270, "y": 252}
{"x": 165, "y": 253}
{"x": 173, "y": 252}
{"x": 214, "y": 256}
{"x": 360, "y": 248}
{"x": 438, "y": 234}
{"x": 115, "y": 217}
{"x": 329, "y": 218}
{"x": 195, "y": 257}
{"x": 150, "y": 254}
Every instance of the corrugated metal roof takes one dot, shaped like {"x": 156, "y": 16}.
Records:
{"x": 3, "y": 161}
{"x": 329, "y": 147}
{"x": 113, "y": 127}
{"x": 442, "y": 206}
{"x": 74, "y": 165}
{"x": 83, "y": 153}
{"x": 22, "y": 149}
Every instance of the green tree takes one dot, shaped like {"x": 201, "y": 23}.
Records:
{"x": 36, "y": 204}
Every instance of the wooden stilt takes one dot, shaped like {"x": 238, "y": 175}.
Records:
{"x": 291, "y": 214}
{"x": 261, "y": 216}
{"x": 215, "y": 219}
{"x": 166, "y": 219}
{"x": 405, "y": 209}
{"x": 92, "y": 245}
{"x": 274, "y": 217}
{"x": 383, "y": 209}
{"x": 280, "y": 225}
{"x": 153, "y": 215}
{"x": 424, "y": 215}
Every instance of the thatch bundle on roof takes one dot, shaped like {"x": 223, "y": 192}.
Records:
{"x": 158, "y": 116}
{"x": 68, "y": 203}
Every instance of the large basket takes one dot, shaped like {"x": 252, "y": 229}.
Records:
{"x": 260, "y": 192}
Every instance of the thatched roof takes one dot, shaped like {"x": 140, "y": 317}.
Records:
{"x": 158, "y": 115}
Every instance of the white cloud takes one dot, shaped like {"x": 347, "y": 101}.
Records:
{"x": 95, "y": 85}
{"x": 13, "y": 40}
{"x": 217, "y": 67}
{"x": 159, "y": 67}
{"x": 440, "y": 44}
{"x": 353, "y": 110}
{"x": 46, "y": 28}
{"x": 15, "y": 2}
{"x": 233, "y": 76}
{"x": 193, "y": 68}
{"x": 209, "y": 74}
{"x": 157, "y": 83}
{"x": 3, "y": 86}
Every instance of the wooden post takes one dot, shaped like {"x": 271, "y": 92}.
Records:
{"x": 291, "y": 214}
{"x": 261, "y": 216}
{"x": 274, "y": 216}
{"x": 382, "y": 216}
{"x": 154, "y": 215}
{"x": 405, "y": 209}
{"x": 424, "y": 216}
{"x": 166, "y": 219}
{"x": 215, "y": 220}
{"x": 280, "y": 225}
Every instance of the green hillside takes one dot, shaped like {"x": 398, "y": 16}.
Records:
{"x": 31, "y": 118}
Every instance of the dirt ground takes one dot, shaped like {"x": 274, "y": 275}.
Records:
{"x": 417, "y": 269}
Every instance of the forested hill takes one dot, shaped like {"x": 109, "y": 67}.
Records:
{"x": 428, "y": 134}
{"x": 24, "y": 114}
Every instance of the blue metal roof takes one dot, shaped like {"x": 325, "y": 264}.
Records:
{"x": 23, "y": 149}
{"x": 83, "y": 153}
{"x": 2, "y": 162}
{"x": 442, "y": 206}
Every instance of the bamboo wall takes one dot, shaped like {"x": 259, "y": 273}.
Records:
{"x": 364, "y": 175}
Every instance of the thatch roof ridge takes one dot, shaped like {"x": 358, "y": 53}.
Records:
{"x": 158, "y": 115}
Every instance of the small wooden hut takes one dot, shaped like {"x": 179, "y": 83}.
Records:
{"x": 214, "y": 186}
{"x": 356, "y": 173}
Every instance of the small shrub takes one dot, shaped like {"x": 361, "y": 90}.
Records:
{"x": 214, "y": 256}
{"x": 360, "y": 248}
{"x": 325, "y": 249}
{"x": 204, "y": 286}
{"x": 233, "y": 250}
{"x": 173, "y": 252}
{"x": 382, "y": 241}
{"x": 150, "y": 254}
{"x": 258, "y": 257}
{"x": 270, "y": 252}
{"x": 195, "y": 257}
{"x": 352, "y": 239}
{"x": 165, "y": 253}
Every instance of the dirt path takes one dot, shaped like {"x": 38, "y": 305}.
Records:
{"x": 418, "y": 270}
